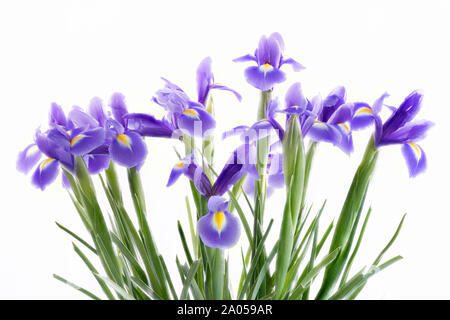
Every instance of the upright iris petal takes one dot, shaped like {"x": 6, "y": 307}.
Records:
{"x": 269, "y": 58}
{"x": 219, "y": 228}
{"x": 205, "y": 82}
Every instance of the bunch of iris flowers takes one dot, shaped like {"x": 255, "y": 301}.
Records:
{"x": 229, "y": 202}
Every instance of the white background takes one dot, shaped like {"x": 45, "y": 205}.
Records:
{"x": 70, "y": 51}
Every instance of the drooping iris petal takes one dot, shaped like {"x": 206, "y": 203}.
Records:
{"x": 28, "y": 158}
{"x": 87, "y": 141}
{"x": 245, "y": 58}
{"x": 345, "y": 143}
{"x": 202, "y": 182}
{"x": 57, "y": 116}
{"x": 219, "y": 229}
{"x": 97, "y": 163}
{"x": 118, "y": 107}
{"x": 225, "y": 88}
{"x": 147, "y": 126}
{"x": 196, "y": 122}
{"x": 295, "y": 65}
{"x": 176, "y": 172}
{"x": 65, "y": 181}
{"x": 229, "y": 175}
{"x": 45, "y": 173}
{"x": 362, "y": 116}
{"x": 128, "y": 149}
{"x": 264, "y": 77}
{"x": 415, "y": 158}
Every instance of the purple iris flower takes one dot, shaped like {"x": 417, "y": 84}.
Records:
{"x": 205, "y": 82}
{"x": 269, "y": 58}
{"x": 59, "y": 144}
{"x": 241, "y": 162}
{"x": 333, "y": 121}
{"x": 183, "y": 115}
{"x": 400, "y": 128}
{"x": 218, "y": 228}
{"x": 127, "y": 147}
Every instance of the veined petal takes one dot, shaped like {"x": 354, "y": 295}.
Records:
{"x": 410, "y": 132}
{"x": 219, "y": 229}
{"x": 196, "y": 122}
{"x": 264, "y": 77}
{"x": 28, "y": 158}
{"x": 87, "y": 141}
{"x": 128, "y": 149}
{"x": 147, "y": 126}
{"x": 416, "y": 159}
{"x": 45, "y": 173}
{"x": 345, "y": 143}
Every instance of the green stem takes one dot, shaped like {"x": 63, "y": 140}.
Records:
{"x": 352, "y": 205}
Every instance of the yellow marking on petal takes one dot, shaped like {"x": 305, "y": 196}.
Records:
{"x": 179, "y": 164}
{"x": 363, "y": 110}
{"x": 76, "y": 139}
{"x": 266, "y": 67}
{"x": 191, "y": 113}
{"x": 416, "y": 149}
{"x": 219, "y": 219}
{"x": 45, "y": 163}
{"x": 123, "y": 139}
{"x": 264, "y": 119}
{"x": 343, "y": 125}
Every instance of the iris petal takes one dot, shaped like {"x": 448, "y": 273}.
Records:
{"x": 87, "y": 141}
{"x": 220, "y": 231}
{"x": 28, "y": 158}
{"x": 264, "y": 80}
{"x": 415, "y": 158}
{"x": 128, "y": 149}
{"x": 45, "y": 173}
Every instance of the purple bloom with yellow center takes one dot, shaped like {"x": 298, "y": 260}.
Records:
{"x": 400, "y": 128}
{"x": 269, "y": 58}
{"x": 127, "y": 147}
{"x": 205, "y": 82}
{"x": 183, "y": 116}
{"x": 218, "y": 228}
{"x": 59, "y": 144}
{"x": 333, "y": 121}
{"x": 241, "y": 162}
